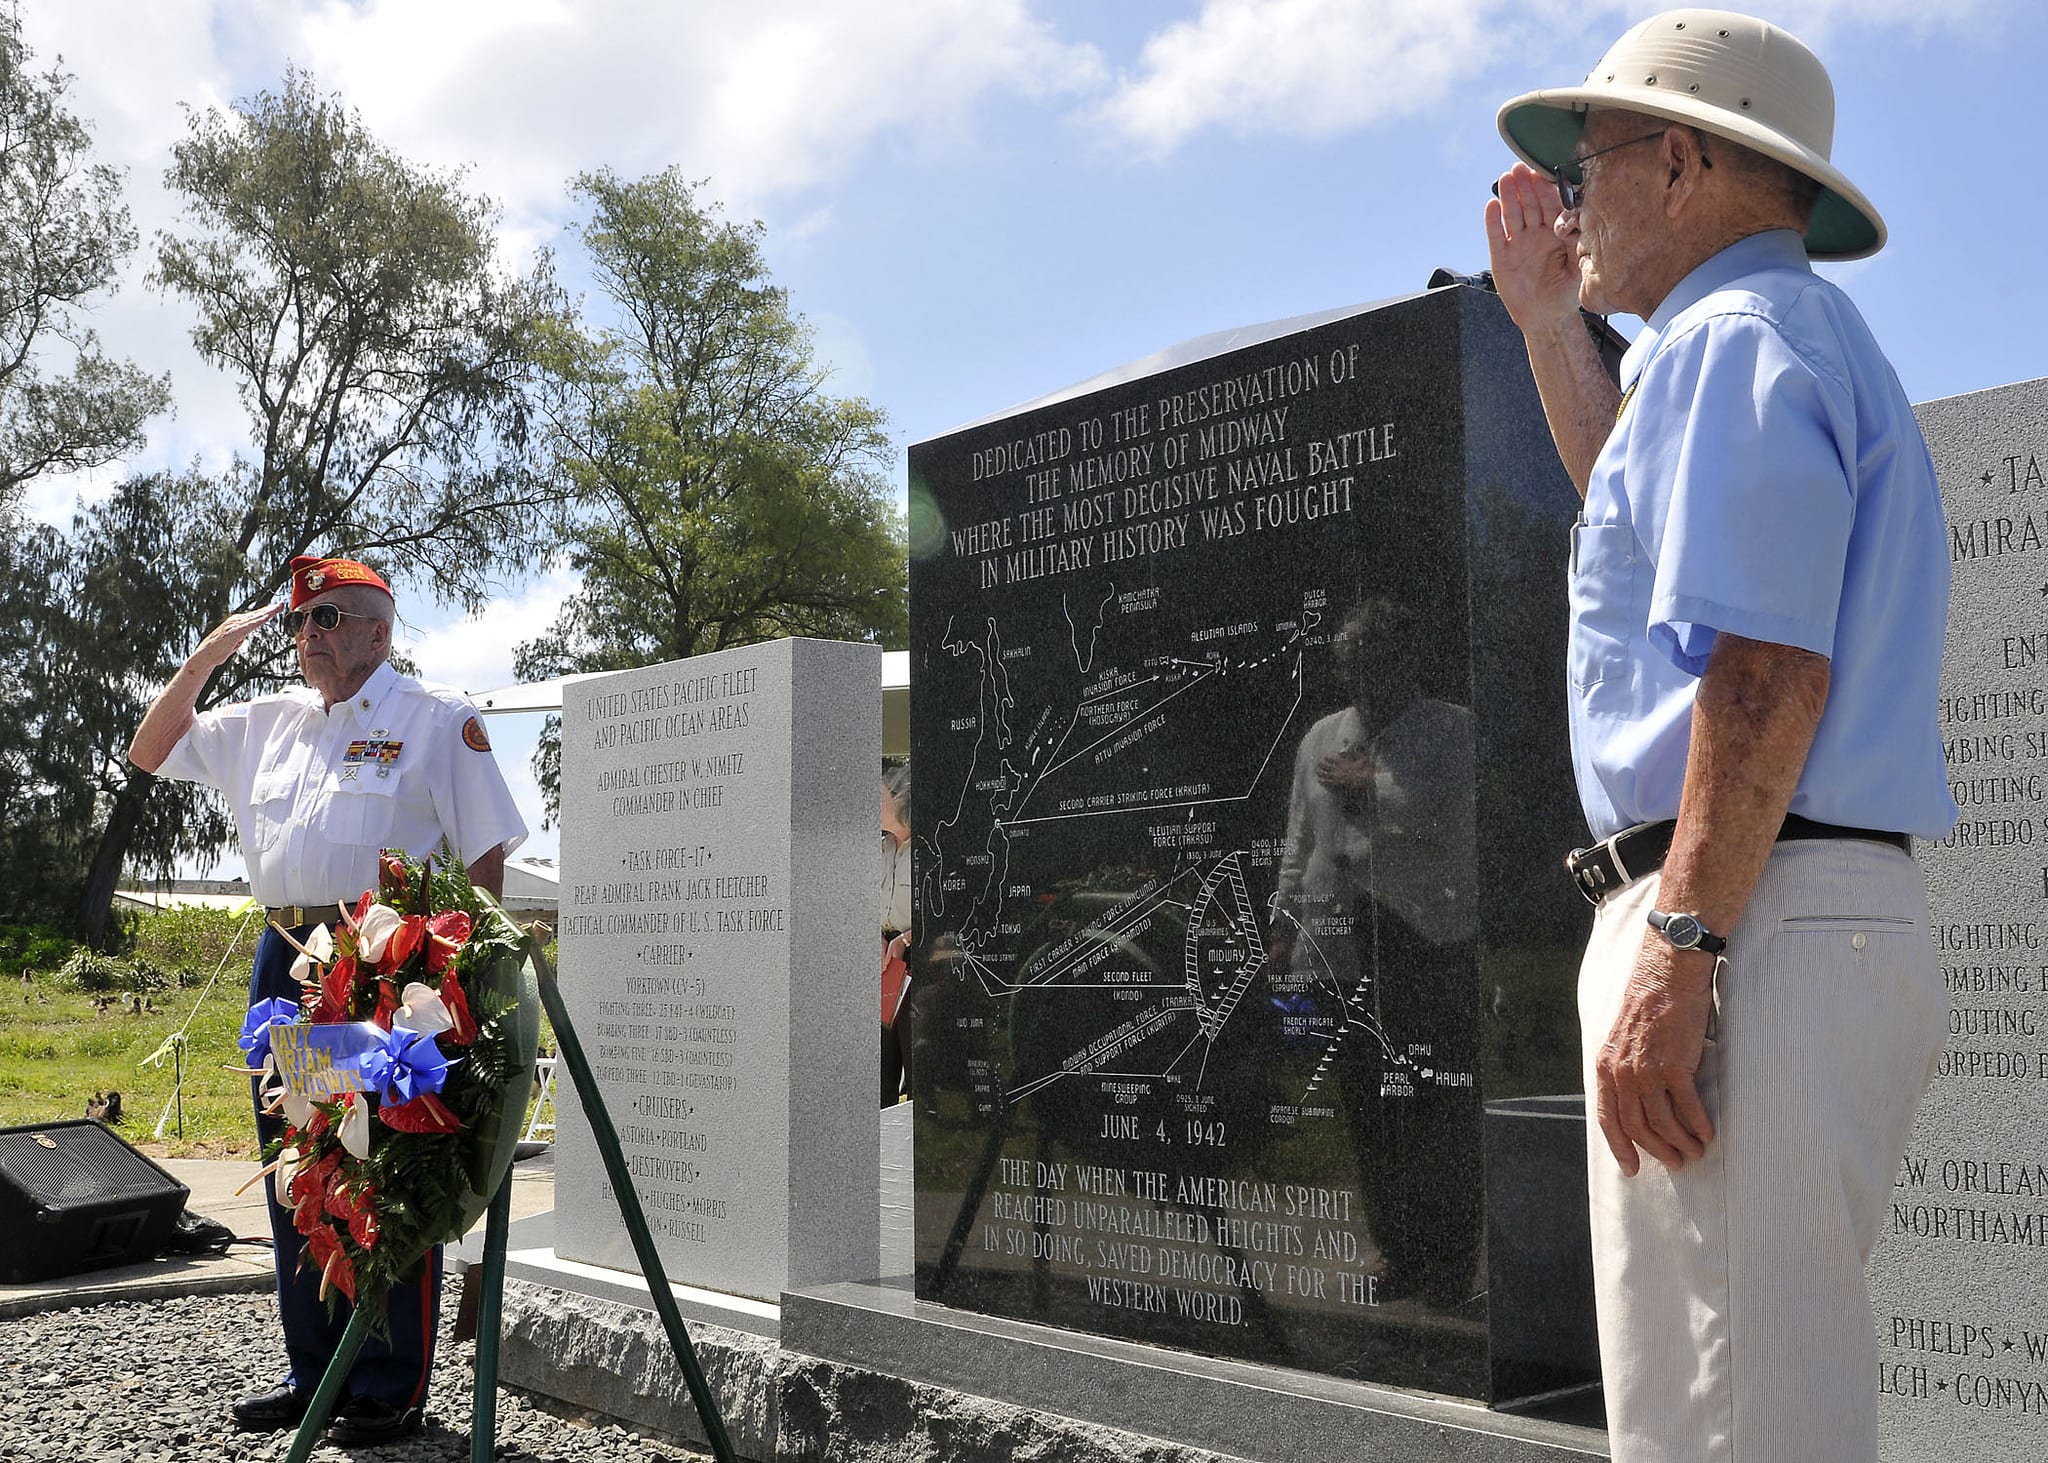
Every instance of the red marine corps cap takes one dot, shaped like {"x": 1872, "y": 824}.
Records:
{"x": 311, "y": 577}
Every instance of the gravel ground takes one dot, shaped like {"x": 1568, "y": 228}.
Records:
{"x": 151, "y": 1382}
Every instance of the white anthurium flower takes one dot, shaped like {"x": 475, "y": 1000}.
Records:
{"x": 318, "y": 949}
{"x": 375, "y": 932}
{"x": 298, "y": 1111}
{"x": 422, "y": 1010}
{"x": 288, "y": 1163}
{"x": 355, "y": 1125}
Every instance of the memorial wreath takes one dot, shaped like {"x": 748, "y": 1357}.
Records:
{"x": 401, "y": 1076}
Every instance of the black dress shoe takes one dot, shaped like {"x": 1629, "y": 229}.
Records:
{"x": 282, "y": 1406}
{"x": 364, "y": 1422}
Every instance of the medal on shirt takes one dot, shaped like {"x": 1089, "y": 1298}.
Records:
{"x": 375, "y": 750}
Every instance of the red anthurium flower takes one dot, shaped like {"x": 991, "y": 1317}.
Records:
{"x": 322, "y": 1243}
{"x": 463, "y": 1032}
{"x": 424, "y": 1114}
{"x": 335, "y": 1269}
{"x": 308, "y": 1192}
{"x": 404, "y": 942}
{"x": 362, "y": 1227}
{"x": 387, "y": 1004}
{"x": 337, "y": 990}
{"x": 391, "y": 873}
{"x": 355, "y": 1205}
{"x": 345, "y": 936}
{"x": 447, "y": 932}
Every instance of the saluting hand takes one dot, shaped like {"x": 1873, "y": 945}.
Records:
{"x": 229, "y": 635}
{"x": 1536, "y": 273}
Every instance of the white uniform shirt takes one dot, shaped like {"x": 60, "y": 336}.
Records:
{"x": 317, "y": 793}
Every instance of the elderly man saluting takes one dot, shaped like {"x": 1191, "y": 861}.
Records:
{"x": 1759, "y": 588}
{"x": 321, "y": 780}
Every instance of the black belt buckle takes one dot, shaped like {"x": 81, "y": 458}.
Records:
{"x": 1596, "y": 871}
{"x": 1601, "y": 869}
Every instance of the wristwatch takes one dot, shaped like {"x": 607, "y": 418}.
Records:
{"x": 1685, "y": 932}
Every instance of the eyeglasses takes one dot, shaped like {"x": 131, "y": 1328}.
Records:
{"x": 1570, "y": 175}
{"x": 326, "y": 617}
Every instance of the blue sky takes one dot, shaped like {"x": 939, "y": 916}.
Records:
{"x": 978, "y": 201}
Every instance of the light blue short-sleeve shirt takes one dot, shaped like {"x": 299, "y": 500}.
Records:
{"x": 1765, "y": 478}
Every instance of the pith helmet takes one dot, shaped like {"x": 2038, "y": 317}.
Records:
{"x": 1730, "y": 75}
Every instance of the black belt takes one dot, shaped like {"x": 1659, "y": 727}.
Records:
{"x": 300, "y": 916}
{"x": 1634, "y": 852}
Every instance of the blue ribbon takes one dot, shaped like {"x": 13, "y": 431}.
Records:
{"x": 407, "y": 1065}
{"x": 262, "y": 1016}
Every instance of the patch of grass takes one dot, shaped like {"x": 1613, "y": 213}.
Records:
{"x": 189, "y": 944}
{"x": 57, "y": 1050}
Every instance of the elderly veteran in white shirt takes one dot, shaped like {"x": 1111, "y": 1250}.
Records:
{"x": 322, "y": 778}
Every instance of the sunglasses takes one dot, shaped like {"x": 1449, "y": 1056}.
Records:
{"x": 1570, "y": 175}
{"x": 325, "y": 617}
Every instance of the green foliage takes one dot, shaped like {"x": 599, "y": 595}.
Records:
{"x": 25, "y": 947}
{"x": 191, "y": 944}
{"x": 63, "y": 235}
{"x": 381, "y": 356}
{"x": 89, "y": 631}
{"x": 384, "y": 363}
{"x": 724, "y": 497}
{"x": 95, "y": 973}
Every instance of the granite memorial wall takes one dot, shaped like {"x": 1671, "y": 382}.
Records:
{"x": 718, "y": 956}
{"x": 1957, "y": 1281}
{"x": 1241, "y": 797}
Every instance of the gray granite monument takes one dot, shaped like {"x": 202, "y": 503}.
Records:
{"x": 719, "y": 958}
{"x": 1962, "y": 1312}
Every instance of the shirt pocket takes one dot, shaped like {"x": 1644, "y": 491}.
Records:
{"x": 360, "y": 814}
{"x": 270, "y": 807}
{"x": 1603, "y": 570}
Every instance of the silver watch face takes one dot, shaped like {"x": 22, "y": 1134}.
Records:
{"x": 1683, "y": 930}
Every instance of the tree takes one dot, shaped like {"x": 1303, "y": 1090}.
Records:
{"x": 63, "y": 236}
{"x": 87, "y": 636}
{"x": 383, "y": 359}
{"x": 724, "y": 497}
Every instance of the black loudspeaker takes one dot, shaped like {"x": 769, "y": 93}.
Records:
{"x": 74, "y": 1197}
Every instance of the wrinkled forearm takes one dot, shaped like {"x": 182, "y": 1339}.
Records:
{"x": 1753, "y": 723}
{"x": 1579, "y": 398}
{"x": 169, "y": 717}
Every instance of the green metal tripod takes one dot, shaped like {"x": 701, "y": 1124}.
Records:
{"x": 483, "y": 1429}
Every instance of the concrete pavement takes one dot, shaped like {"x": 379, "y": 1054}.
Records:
{"x": 247, "y": 1265}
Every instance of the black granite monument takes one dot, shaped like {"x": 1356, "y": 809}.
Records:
{"x": 1242, "y": 790}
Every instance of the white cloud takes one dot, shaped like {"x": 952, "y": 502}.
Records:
{"x": 1304, "y": 68}
{"x": 475, "y": 653}
{"x": 765, "y": 98}
{"x": 770, "y": 100}
{"x": 1326, "y": 68}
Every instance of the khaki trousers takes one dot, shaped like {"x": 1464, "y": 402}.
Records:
{"x": 1735, "y": 1322}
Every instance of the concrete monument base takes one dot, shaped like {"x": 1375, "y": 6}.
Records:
{"x": 866, "y": 1372}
